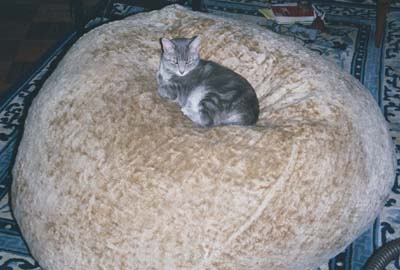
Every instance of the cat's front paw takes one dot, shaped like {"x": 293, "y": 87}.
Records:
{"x": 189, "y": 113}
{"x": 186, "y": 111}
{"x": 166, "y": 93}
{"x": 200, "y": 120}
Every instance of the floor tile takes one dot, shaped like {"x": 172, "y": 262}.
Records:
{"x": 53, "y": 13}
{"x": 18, "y": 71}
{"x": 16, "y": 12}
{"x": 28, "y": 29}
{"x": 15, "y": 30}
{"x": 4, "y": 69}
{"x": 8, "y": 49}
{"x": 32, "y": 50}
{"x": 4, "y": 87}
{"x": 48, "y": 30}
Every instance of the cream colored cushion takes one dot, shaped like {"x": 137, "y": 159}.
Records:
{"x": 111, "y": 176}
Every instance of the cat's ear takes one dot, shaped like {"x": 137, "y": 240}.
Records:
{"x": 167, "y": 45}
{"x": 195, "y": 44}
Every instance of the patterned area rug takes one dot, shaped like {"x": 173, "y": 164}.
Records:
{"x": 267, "y": 3}
{"x": 348, "y": 42}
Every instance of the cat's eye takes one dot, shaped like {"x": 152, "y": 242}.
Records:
{"x": 172, "y": 59}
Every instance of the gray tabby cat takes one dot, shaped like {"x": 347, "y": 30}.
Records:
{"x": 208, "y": 93}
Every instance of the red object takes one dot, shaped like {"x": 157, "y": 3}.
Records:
{"x": 291, "y": 11}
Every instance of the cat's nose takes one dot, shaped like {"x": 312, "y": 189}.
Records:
{"x": 181, "y": 68}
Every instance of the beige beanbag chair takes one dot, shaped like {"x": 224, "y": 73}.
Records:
{"x": 111, "y": 176}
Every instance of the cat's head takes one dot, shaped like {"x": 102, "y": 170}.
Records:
{"x": 180, "y": 55}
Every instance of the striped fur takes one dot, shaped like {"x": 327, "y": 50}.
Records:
{"x": 208, "y": 93}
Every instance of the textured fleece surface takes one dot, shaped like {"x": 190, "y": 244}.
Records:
{"x": 111, "y": 176}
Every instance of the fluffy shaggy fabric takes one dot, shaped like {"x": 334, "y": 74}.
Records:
{"x": 111, "y": 176}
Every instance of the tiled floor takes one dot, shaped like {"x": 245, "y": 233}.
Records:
{"x": 28, "y": 28}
